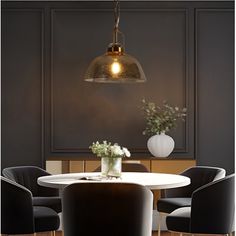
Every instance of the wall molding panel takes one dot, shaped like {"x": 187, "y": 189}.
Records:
{"x": 210, "y": 143}
{"x": 142, "y": 150}
{"x": 23, "y": 71}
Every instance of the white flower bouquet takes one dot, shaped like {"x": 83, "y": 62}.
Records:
{"x": 106, "y": 149}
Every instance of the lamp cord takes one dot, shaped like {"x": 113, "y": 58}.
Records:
{"x": 117, "y": 13}
{"x": 116, "y": 30}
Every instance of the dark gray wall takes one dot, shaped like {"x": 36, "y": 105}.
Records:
{"x": 22, "y": 87}
{"x": 48, "y": 111}
{"x": 215, "y": 87}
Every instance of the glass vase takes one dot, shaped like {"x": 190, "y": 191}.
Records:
{"x": 111, "y": 167}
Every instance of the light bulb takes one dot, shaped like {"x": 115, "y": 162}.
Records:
{"x": 115, "y": 68}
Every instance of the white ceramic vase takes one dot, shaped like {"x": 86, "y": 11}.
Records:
{"x": 160, "y": 145}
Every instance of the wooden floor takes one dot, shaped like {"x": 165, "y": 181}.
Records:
{"x": 155, "y": 233}
{"x": 59, "y": 233}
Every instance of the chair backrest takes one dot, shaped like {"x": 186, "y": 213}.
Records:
{"x": 27, "y": 176}
{"x": 213, "y": 206}
{"x": 16, "y": 208}
{"x": 129, "y": 167}
{"x": 199, "y": 175}
{"x": 107, "y": 209}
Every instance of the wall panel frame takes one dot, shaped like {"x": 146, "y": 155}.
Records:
{"x": 137, "y": 150}
{"x": 22, "y": 86}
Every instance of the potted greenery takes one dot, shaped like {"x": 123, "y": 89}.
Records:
{"x": 111, "y": 157}
{"x": 159, "y": 120}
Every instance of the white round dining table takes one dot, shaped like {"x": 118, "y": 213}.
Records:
{"x": 153, "y": 181}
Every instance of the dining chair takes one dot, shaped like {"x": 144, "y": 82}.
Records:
{"x": 211, "y": 211}
{"x": 27, "y": 176}
{"x": 181, "y": 197}
{"x": 107, "y": 209}
{"x": 129, "y": 167}
{"x": 19, "y": 216}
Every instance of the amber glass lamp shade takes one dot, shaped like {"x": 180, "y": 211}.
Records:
{"x": 115, "y": 67}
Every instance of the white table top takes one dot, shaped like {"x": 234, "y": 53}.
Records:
{"x": 150, "y": 180}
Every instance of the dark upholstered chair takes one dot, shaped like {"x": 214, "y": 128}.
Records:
{"x": 129, "y": 167}
{"x": 27, "y": 176}
{"x": 211, "y": 211}
{"x": 181, "y": 197}
{"x": 107, "y": 209}
{"x": 18, "y": 216}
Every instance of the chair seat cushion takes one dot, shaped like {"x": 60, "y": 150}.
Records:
{"x": 168, "y": 205}
{"x": 179, "y": 220}
{"x": 51, "y": 202}
{"x": 45, "y": 219}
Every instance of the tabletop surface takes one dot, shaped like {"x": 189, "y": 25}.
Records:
{"x": 150, "y": 180}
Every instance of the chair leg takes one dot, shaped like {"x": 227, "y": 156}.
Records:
{"x": 159, "y": 224}
{"x": 53, "y": 233}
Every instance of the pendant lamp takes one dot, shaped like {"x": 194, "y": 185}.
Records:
{"x": 115, "y": 66}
